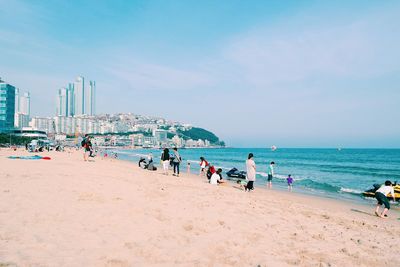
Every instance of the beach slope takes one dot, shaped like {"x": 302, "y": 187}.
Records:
{"x": 66, "y": 212}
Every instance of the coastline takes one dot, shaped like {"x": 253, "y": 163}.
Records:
{"x": 66, "y": 212}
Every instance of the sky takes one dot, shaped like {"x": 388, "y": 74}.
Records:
{"x": 256, "y": 73}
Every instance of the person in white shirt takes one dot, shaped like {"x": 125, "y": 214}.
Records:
{"x": 381, "y": 195}
{"x": 216, "y": 177}
{"x": 251, "y": 173}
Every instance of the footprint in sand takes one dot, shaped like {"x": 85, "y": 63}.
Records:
{"x": 116, "y": 263}
{"x": 188, "y": 227}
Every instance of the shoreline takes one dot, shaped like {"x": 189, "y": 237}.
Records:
{"x": 66, "y": 212}
{"x": 280, "y": 186}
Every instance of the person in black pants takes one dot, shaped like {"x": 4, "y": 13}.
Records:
{"x": 177, "y": 161}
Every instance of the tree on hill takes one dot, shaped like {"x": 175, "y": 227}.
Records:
{"x": 199, "y": 133}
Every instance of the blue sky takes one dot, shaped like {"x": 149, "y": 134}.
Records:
{"x": 257, "y": 73}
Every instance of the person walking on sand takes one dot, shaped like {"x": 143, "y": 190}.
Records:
{"x": 177, "y": 161}
{"x": 270, "y": 173}
{"x": 87, "y": 147}
{"x": 381, "y": 196}
{"x": 251, "y": 173}
{"x": 165, "y": 160}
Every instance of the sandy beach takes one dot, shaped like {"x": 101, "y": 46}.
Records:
{"x": 66, "y": 212}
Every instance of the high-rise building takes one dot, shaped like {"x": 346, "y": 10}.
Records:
{"x": 25, "y": 104}
{"x": 7, "y": 106}
{"x": 79, "y": 88}
{"x": 71, "y": 100}
{"x": 62, "y": 102}
{"x": 90, "y": 99}
{"x": 16, "y": 100}
{"x": 22, "y": 109}
{"x": 77, "y": 99}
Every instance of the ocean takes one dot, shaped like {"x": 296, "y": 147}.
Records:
{"x": 332, "y": 173}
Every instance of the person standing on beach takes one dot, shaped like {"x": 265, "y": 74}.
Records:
{"x": 289, "y": 180}
{"x": 177, "y": 161}
{"x": 381, "y": 196}
{"x": 188, "y": 168}
{"x": 87, "y": 147}
{"x": 165, "y": 160}
{"x": 251, "y": 173}
{"x": 203, "y": 165}
{"x": 270, "y": 173}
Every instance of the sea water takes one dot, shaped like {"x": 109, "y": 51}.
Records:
{"x": 344, "y": 173}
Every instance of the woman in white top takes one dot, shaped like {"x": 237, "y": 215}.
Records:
{"x": 251, "y": 173}
{"x": 381, "y": 196}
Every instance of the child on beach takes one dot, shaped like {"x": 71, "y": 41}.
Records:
{"x": 270, "y": 174}
{"x": 289, "y": 180}
{"x": 242, "y": 184}
{"x": 188, "y": 168}
{"x": 381, "y": 196}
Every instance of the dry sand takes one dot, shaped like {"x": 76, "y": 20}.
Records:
{"x": 66, "y": 212}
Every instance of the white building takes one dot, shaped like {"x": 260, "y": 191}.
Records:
{"x": 137, "y": 139}
{"x": 21, "y": 120}
{"x": 160, "y": 135}
{"x": 90, "y": 99}
{"x": 22, "y": 109}
{"x": 43, "y": 124}
{"x": 177, "y": 141}
{"x": 62, "y": 102}
{"x": 79, "y": 88}
{"x": 65, "y": 125}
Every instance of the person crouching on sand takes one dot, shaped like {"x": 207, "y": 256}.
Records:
{"x": 381, "y": 196}
{"x": 289, "y": 180}
{"x": 216, "y": 177}
{"x": 251, "y": 173}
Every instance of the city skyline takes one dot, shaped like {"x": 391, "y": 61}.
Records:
{"x": 77, "y": 98}
{"x": 259, "y": 73}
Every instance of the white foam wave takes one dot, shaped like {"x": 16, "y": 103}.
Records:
{"x": 349, "y": 190}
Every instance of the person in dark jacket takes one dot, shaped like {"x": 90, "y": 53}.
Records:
{"x": 165, "y": 160}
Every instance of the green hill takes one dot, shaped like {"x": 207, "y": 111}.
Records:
{"x": 196, "y": 133}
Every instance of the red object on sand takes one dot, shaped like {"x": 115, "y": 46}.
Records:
{"x": 46, "y": 158}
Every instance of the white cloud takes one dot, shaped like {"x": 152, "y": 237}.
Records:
{"x": 159, "y": 77}
{"x": 358, "y": 49}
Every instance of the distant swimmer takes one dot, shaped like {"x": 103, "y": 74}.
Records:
{"x": 381, "y": 197}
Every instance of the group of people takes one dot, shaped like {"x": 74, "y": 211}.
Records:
{"x": 215, "y": 177}
{"x": 251, "y": 175}
{"x": 175, "y": 159}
